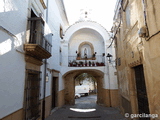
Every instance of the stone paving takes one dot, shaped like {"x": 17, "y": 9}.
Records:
{"x": 85, "y": 108}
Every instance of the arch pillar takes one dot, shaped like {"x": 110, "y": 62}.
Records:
{"x": 103, "y": 95}
{"x": 69, "y": 89}
{"x": 107, "y": 97}
{"x": 100, "y": 90}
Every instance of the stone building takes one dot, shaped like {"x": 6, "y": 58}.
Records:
{"x": 41, "y": 54}
{"x": 136, "y": 36}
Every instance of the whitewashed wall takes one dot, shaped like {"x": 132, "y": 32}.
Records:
{"x": 99, "y": 37}
{"x": 86, "y": 35}
{"x": 54, "y": 20}
{"x": 13, "y": 21}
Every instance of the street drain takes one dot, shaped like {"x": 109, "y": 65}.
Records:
{"x": 84, "y": 117}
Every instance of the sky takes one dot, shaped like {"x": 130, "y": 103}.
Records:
{"x": 101, "y": 11}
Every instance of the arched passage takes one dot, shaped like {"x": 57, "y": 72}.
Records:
{"x": 69, "y": 78}
{"x": 86, "y": 79}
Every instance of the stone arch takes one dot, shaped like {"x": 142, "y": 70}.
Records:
{"x": 69, "y": 79}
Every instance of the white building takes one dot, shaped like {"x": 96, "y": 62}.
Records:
{"x": 36, "y": 47}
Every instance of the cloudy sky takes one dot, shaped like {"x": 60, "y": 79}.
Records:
{"x": 101, "y": 11}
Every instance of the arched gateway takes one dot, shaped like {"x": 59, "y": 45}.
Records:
{"x": 69, "y": 78}
{"x": 93, "y": 40}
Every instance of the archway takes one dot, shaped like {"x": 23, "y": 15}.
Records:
{"x": 86, "y": 79}
{"x": 85, "y": 90}
{"x": 69, "y": 78}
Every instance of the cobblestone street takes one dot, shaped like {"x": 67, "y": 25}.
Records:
{"x": 86, "y": 108}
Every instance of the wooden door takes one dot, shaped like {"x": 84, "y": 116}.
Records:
{"x": 54, "y": 92}
{"x": 142, "y": 98}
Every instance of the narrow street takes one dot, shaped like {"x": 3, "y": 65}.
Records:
{"x": 86, "y": 108}
{"x": 54, "y": 51}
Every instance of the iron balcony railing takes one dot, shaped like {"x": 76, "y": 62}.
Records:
{"x": 37, "y": 33}
{"x": 46, "y": 45}
{"x": 89, "y": 61}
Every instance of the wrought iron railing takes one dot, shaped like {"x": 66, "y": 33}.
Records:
{"x": 37, "y": 33}
{"x": 47, "y": 46}
{"x": 89, "y": 61}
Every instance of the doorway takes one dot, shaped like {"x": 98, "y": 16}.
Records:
{"x": 143, "y": 106}
{"x": 32, "y": 93}
{"x": 54, "y": 92}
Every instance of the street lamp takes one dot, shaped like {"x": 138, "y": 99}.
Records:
{"x": 109, "y": 57}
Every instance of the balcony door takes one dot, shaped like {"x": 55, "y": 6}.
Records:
{"x": 36, "y": 29}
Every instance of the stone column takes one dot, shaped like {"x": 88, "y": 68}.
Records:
{"x": 69, "y": 90}
{"x": 100, "y": 91}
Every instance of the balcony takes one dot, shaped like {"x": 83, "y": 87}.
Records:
{"x": 96, "y": 61}
{"x": 38, "y": 46}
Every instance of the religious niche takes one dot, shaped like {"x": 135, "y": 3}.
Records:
{"x": 86, "y": 51}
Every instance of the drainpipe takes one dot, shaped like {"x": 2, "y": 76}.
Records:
{"x": 44, "y": 90}
{"x": 47, "y": 2}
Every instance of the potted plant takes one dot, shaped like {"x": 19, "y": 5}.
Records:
{"x": 93, "y": 64}
{"x": 102, "y": 64}
{"x": 81, "y": 63}
{"x": 94, "y": 56}
{"x": 90, "y": 63}
{"x": 78, "y": 56}
{"x": 70, "y": 64}
{"x": 97, "y": 64}
{"x": 74, "y": 63}
{"x": 85, "y": 63}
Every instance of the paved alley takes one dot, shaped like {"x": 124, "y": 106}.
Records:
{"x": 86, "y": 108}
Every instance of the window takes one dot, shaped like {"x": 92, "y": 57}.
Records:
{"x": 61, "y": 32}
{"x": 128, "y": 22}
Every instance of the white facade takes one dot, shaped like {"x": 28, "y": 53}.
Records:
{"x": 13, "y": 25}
{"x": 89, "y": 31}
{"x": 54, "y": 21}
{"x": 13, "y": 22}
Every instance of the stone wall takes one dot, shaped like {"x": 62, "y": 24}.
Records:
{"x": 133, "y": 50}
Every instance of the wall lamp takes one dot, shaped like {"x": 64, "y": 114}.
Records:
{"x": 109, "y": 57}
{"x": 47, "y": 77}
